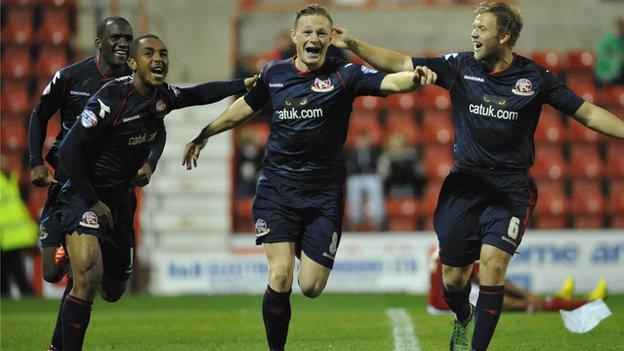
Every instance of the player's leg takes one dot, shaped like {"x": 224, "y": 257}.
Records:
{"x": 456, "y": 223}
{"x": 312, "y": 276}
{"x": 87, "y": 268}
{"x": 276, "y": 303}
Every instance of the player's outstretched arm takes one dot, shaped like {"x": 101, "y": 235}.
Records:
{"x": 406, "y": 81}
{"x": 380, "y": 58}
{"x": 236, "y": 114}
{"x": 600, "y": 120}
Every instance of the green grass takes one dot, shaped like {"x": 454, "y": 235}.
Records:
{"x": 330, "y": 322}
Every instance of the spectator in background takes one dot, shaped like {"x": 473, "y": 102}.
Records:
{"x": 609, "y": 69}
{"x": 18, "y": 232}
{"x": 364, "y": 186}
{"x": 401, "y": 168}
{"x": 248, "y": 162}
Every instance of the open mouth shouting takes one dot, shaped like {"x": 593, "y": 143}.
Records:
{"x": 158, "y": 72}
{"x": 313, "y": 51}
{"x": 477, "y": 45}
{"x": 121, "y": 53}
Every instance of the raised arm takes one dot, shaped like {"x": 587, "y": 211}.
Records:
{"x": 236, "y": 114}
{"x": 210, "y": 92}
{"x": 380, "y": 58}
{"x": 407, "y": 81}
{"x": 600, "y": 120}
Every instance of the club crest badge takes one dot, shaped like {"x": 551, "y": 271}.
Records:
{"x": 90, "y": 220}
{"x": 88, "y": 119}
{"x": 262, "y": 228}
{"x": 43, "y": 232}
{"x": 523, "y": 87}
{"x": 160, "y": 106}
{"x": 322, "y": 84}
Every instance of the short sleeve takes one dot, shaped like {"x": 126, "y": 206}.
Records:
{"x": 444, "y": 66}
{"x": 558, "y": 95}
{"x": 259, "y": 95}
{"x": 363, "y": 80}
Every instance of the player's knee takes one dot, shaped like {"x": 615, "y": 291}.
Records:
{"x": 311, "y": 289}
{"x": 52, "y": 273}
{"x": 88, "y": 276}
{"x": 111, "y": 296}
{"x": 280, "y": 278}
{"x": 454, "y": 284}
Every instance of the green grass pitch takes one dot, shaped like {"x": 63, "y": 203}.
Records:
{"x": 330, "y": 322}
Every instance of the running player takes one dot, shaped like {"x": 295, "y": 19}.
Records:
{"x": 101, "y": 156}
{"x": 298, "y": 207}
{"x": 487, "y": 199}
{"x": 68, "y": 91}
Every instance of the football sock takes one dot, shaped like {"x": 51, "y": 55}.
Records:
{"x": 487, "y": 312}
{"x": 75, "y": 316}
{"x": 276, "y": 315}
{"x": 57, "y": 335}
{"x": 459, "y": 301}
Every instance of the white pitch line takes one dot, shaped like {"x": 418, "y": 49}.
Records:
{"x": 403, "y": 330}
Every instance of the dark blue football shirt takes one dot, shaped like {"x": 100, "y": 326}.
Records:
{"x": 68, "y": 91}
{"x": 310, "y": 118}
{"x": 495, "y": 115}
{"x": 118, "y": 127}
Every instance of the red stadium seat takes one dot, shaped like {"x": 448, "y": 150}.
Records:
{"x": 403, "y": 122}
{"x": 615, "y": 160}
{"x": 402, "y": 213}
{"x": 549, "y": 128}
{"x": 16, "y": 160}
{"x": 406, "y": 101}
{"x": 51, "y": 59}
{"x": 552, "y": 199}
{"x": 438, "y": 128}
{"x": 19, "y": 26}
{"x": 260, "y": 129}
{"x": 587, "y": 91}
{"x": 549, "y": 163}
{"x": 549, "y": 60}
{"x": 581, "y": 61}
{"x": 614, "y": 96}
{"x": 14, "y": 134}
{"x": 364, "y": 122}
{"x": 588, "y": 204}
{"x": 36, "y": 200}
{"x": 15, "y": 98}
{"x": 54, "y": 26}
{"x": 56, "y": 3}
{"x": 243, "y": 220}
{"x": 585, "y": 161}
{"x": 368, "y": 103}
{"x": 429, "y": 202}
{"x": 16, "y": 62}
{"x": 434, "y": 97}
{"x": 616, "y": 197}
{"x": 437, "y": 161}
{"x": 576, "y": 132}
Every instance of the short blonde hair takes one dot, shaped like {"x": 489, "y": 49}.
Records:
{"x": 508, "y": 18}
{"x": 312, "y": 9}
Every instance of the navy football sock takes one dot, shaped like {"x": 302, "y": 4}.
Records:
{"x": 276, "y": 315}
{"x": 489, "y": 307}
{"x": 74, "y": 319}
{"x": 57, "y": 335}
{"x": 459, "y": 301}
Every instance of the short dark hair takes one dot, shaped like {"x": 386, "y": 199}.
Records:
{"x": 508, "y": 18}
{"x": 101, "y": 26}
{"x": 135, "y": 44}
{"x": 313, "y": 9}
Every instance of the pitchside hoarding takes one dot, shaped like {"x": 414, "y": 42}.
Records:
{"x": 396, "y": 262}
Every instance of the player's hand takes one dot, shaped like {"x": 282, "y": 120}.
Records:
{"x": 41, "y": 176}
{"x": 251, "y": 81}
{"x": 143, "y": 176}
{"x": 104, "y": 213}
{"x": 192, "y": 150}
{"x": 341, "y": 38}
{"x": 424, "y": 76}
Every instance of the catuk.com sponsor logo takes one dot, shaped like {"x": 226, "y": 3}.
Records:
{"x": 299, "y": 114}
{"x": 491, "y": 111}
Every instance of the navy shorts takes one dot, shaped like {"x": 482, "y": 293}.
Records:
{"x": 310, "y": 218}
{"x": 50, "y": 231}
{"x": 116, "y": 243}
{"x": 475, "y": 209}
